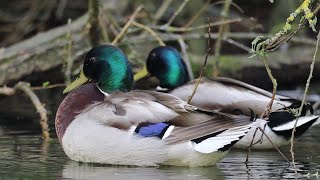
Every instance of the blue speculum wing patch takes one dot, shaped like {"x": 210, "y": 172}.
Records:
{"x": 152, "y": 129}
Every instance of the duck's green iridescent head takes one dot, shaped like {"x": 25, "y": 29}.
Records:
{"x": 108, "y": 67}
{"x": 166, "y": 64}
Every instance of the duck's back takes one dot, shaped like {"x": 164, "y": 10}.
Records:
{"x": 229, "y": 95}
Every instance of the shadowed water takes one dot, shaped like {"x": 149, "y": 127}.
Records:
{"x": 24, "y": 156}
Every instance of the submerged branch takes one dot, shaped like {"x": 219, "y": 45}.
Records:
{"x": 25, "y": 87}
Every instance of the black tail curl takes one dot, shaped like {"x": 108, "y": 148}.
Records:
{"x": 307, "y": 107}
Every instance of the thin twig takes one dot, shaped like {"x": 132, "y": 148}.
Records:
{"x": 204, "y": 64}
{"x": 303, "y": 101}
{"x": 176, "y": 13}
{"x": 195, "y": 17}
{"x": 128, "y": 24}
{"x": 274, "y": 87}
{"x": 195, "y": 28}
{"x": 268, "y": 108}
{"x": 264, "y": 134}
{"x": 217, "y": 47}
{"x": 68, "y": 60}
{"x": 48, "y": 86}
{"x": 163, "y": 8}
{"x": 148, "y": 29}
{"x": 274, "y": 145}
{"x": 234, "y": 35}
{"x": 282, "y": 37}
{"x": 237, "y": 44}
{"x": 232, "y": 3}
{"x": 251, "y": 143}
{"x": 300, "y": 26}
{"x": 185, "y": 57}
{"x": 115, "y": 28}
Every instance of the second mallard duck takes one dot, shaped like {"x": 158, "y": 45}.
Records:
{"x": 228, "y": 95}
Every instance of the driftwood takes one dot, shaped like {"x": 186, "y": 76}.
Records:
{"x": 42, "y": 52}
{"x": 25, "y": 87}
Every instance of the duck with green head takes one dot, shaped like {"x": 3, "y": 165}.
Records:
{"x": 102, "y": 121}
{"x": 229, "y": 96}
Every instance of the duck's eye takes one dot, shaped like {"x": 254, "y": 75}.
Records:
{"x": 92, "y": 59}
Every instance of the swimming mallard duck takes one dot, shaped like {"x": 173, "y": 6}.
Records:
{"x": 104, "y": 122}
{"x": 228, "y": 95}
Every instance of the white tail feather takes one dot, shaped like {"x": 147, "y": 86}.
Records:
{"x": 290, "y": 125}
{"x": 213, "y": 144}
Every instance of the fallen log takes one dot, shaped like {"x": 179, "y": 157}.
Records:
{"x": 43, "y": 52}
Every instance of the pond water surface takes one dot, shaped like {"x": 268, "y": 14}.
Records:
{"x": 24, "y": 156}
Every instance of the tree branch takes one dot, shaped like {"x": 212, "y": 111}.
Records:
{"x": 25, "y": 87}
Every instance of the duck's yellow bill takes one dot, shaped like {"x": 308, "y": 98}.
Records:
{"x": 141, "y": 74}
{"x": 76, "y": 83}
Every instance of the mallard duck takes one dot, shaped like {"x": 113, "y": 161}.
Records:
{"x": 228, "y": 95}
{"x": 102, "y": 121}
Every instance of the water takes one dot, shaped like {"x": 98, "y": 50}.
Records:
{"x": 24, "y": 156}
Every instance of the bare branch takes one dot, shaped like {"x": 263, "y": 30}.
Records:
{"x": 128, "y": 24}
{"x": 25, "y": 87}
{"x": 217, "y": 47}
{"x": 204, "y": 64}
{"x": 176, "y": 13}
{"x": 148, "y": 29}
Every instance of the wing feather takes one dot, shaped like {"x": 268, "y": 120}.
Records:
{"x": 180, "y": 134}
{"x": 124, "y": 110}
